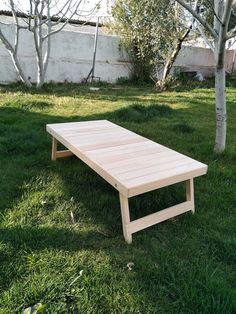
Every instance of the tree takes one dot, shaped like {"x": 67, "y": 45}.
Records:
{"x": 43, "y": 28}
{"x": 152, "y": 32}
{"x": 220, "y": 28}
{"x": 13, "y": 48}
{"x": 44, "y": 19}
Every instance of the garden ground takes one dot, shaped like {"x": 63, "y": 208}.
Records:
{"x": 61, "y": 240}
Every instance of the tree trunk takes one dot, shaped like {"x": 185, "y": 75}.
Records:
{"x": 15, "y": 60}
{"x": 161, "y": 84}
{"x": 40, "y": 78}
{"x": 19, "y": 70}
{"x": 39, "y": 57}
{"x": 221, "y": 115}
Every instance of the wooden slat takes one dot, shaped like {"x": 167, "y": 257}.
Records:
{"x": 182, "y": 168}
{"x": 88, "y": 131}
{"x": 78, "y": 140}
{"x": 152, "y": 182}
{"x": 100, "y": 135}
{"x": 63, "y": 153}
{"x": 106, "y": 144}
{"x": 155, "y": 161}
{"x": 123, "y": 149}
{"x": 104, "y": 174}
{"x": 122, "y": 159}
{"x": 150, "y": 220}
{"x": 161, "y": 153}
{"x": 130, "y": 162}
{"x": 158, "y": 169}
{"x": 77, "y": 125}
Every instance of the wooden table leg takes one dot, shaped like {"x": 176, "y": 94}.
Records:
{"x": 124, "y": 205}
{"x": 61, "y": 153}
{"x": 54, "y": 148}
{"x": 190, "y": 193}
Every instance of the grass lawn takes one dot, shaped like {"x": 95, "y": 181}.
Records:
{"x": 184, "y": 265}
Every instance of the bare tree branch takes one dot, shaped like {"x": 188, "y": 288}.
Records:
{"x": 198, "y": 17}
{"x": 204, "y": 36}
{"x": 223, "y": 29}
{"x": 65, "y": 23}
{"x": 6, "y": 42}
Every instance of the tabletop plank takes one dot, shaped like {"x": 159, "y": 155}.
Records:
{"x": 128, "y": 161}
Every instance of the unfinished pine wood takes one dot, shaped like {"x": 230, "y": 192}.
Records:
{"x": 124, "y": 205}
{"x": 190, "y": 193}
{"x": 131, "y": 163}
{"x": 63, "y": 153}
{"x": 150, "y": 220}
{"x": 54, "y": 148}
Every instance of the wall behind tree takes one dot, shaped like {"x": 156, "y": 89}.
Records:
{"x": 72, "y": 53}
{"x": 70, "y": 59}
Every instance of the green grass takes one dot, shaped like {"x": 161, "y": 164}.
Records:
{"x": 184, "y": 265}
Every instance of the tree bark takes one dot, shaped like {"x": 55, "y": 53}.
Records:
{"x": 19, "y": 70}
{"x": 223, "y": 11}
{"x": 161, "y": 84}
{"x": 221, "y": 114}
{"x": 13, "y": 53}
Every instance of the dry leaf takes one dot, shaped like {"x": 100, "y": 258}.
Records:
{"x": 130, "y": 265}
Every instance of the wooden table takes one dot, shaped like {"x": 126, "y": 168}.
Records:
{"x": 131, "y": 163}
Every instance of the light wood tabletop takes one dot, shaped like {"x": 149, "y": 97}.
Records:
{"x": 131, "y": 163}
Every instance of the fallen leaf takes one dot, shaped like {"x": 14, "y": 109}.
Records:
{"x": 130, "y": 266}
{"x": 35, "y": 309}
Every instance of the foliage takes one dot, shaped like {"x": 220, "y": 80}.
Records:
{"x": 149, "y": 31}
{"x": 184, "y": 265}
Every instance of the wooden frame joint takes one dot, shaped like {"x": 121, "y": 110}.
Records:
{"x": 130, "y": 227}
{"x": 61, "y": 153}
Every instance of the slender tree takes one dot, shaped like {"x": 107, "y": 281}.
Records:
{"x": 43, "y": 28}
{"x": 44, "y": 19}
{"x": 13, "y": 48}
{"x": 220, "y": 30}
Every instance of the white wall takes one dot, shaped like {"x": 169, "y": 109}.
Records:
{"x": 193, "y": 59}
{"x": 72, "y": 52}
{"x": 71, "y": 57}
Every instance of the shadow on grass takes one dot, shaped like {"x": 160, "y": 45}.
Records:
{"x": 38, "y": 238}
{"x": 25, "y": 152}
{"x": 139, "y": 113}
{"x": 25, "y": 145}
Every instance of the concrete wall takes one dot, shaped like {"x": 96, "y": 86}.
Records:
{"x": 72, "y": 52}
{"x": 70, "y": 59}
{"x": 193, "y": 59}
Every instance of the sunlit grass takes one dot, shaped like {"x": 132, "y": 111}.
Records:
{"x": 58, "y": 218}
